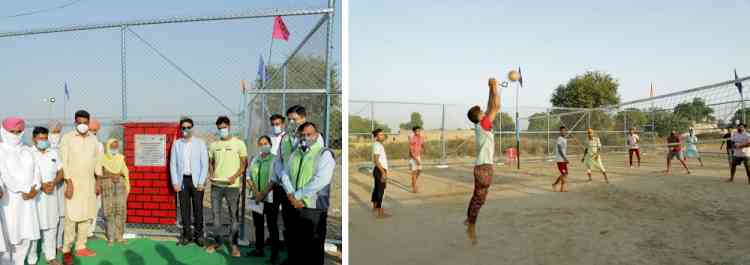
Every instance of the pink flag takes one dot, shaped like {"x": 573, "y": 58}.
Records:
{"x": 279, "y": 29}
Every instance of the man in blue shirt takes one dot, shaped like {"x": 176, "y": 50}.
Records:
{"x": 189, "y": 170}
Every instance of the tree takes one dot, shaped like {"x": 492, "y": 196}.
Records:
{"x": 359, "y": 124}
{"x": 306, "y": 72}
{"x": 635, "y": 118}
{"x": 695, "y": 112}
{"x": 538, "y": 122}
{"x": 738, "y": 116}
{"x": 667, "y": 121}
{"x": 415, "y": 120}
{"x": 593, "y": 89}
{"x": 504, "y": 122}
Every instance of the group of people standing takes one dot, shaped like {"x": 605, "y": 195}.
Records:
{"x": 52, "y": 190}
{"x": 292, "y": 172}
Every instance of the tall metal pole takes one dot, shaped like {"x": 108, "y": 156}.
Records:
{"x": 442, "y": 136}
{"x": 518, "y": 133}
{"x": 548, "y": 136}
{"x": 123, "y": 74}
{"x": 283, "y": 96}
{"x": 329, "y": 70}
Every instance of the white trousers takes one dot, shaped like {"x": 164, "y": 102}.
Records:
{"x": 20, "y": 251}
{"x": 49, "y": 246}
{"x": 92, "y": 227}
{"x": 5, "y": 258}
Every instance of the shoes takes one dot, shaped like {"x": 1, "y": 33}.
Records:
{"x": 256, "y": 253}
{"x": 199, "y": 241}
{"x": 184, "y": 241}
{"x": 85, "y": 253}
{"x": 68, "y": 258}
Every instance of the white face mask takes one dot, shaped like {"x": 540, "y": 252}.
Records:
{"x": 224, "y": 132}
{"x": 113, "y": 152}
{"x": 276, "y": 130}
{"x": 12, "y": 139}
{"x": 82, "y": 128}
{"x": 54, "y": 139}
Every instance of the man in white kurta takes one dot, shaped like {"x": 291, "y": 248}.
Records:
{"x": 55, "y": 135}
{"x": 79, "y": 153}
{"x": 50, "y": 170}
{"x": 4, "y": 253}
{"x": 21, "y": 176}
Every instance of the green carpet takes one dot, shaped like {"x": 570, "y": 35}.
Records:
{"x": 151, "y": 252}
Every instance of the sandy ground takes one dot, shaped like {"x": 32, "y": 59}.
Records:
{"x": 642, "y": 217}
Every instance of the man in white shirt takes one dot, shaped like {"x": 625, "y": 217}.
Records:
{"x": 562, "y": 159}
{"x": 379, "y": 172}
{"x": 22, "y": 182}
{"x": 741, "y": 140}
{"x": 633, "y": 148}
{"x": 50, "y": 169}
{"x": 188, "y": 172}
{"x": 277, "y": 132}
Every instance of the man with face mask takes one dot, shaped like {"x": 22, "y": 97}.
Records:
{"x": 307, "y": 177}
{"x": 189, "y": 171}
{"x": 20, "y": 174}
{"x": 79, "y": 153}
{"x": 227, "y": 162}
{"x": 51, "y": 175}
{"x": 55, "y": 130}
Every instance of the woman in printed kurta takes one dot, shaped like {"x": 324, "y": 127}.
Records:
{"x": 115, "y": 188}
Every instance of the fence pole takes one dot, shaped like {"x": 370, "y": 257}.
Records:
{"x": 442, "y": 136}
{"x": 283, "y": 96}
{"x": 547, "y": 153}
{"x": 499, "y": 128}
{"x": 329, "y": 70}
{"x": 123, "y": 74}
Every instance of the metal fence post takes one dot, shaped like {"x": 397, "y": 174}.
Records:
{"x": 329, "y": 70}
{"x": 283, "y": 96}
{"x": 442, "y": 137}
{"x": 547, "y": 153}
{"x": 123, "y": 74}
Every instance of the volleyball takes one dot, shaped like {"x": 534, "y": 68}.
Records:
{"x": 514, "y": 76}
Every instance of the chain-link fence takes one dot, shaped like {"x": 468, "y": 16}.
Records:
{"x": 163, "y": 69}
{"x": 450, "y": 136}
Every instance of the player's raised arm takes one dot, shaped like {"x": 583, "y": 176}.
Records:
{"x": 493, "y": 104}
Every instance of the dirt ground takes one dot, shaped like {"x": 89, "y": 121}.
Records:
{"x": 643, "y": 217}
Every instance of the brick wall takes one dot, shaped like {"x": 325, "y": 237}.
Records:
{"x": 151, "y": 200}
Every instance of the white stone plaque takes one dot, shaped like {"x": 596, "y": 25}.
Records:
{"x": 150, "y": 150}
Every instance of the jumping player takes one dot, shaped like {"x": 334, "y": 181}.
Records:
{"x": 591, "y": 156}
{"x": 484, "y": 164}
{"x": 562, "y": 159}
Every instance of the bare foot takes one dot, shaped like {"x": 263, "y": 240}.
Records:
{"x": 383, "y": 216}
{"x": 236, "y": 251}
{"x": 211, "y": 249}
{"x": 110, "y": 243}
{"x": 471, "y": 233}
{"x": 729, "y": 180}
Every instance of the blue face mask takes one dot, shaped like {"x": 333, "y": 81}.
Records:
{"x": 42, "y": 145}
{"x": 224, "y": 132}
{"x": 276, "y": 129}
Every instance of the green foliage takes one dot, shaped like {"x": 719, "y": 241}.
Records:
{"x": 538, "y": 122}
{"x": 635, "y": 118}
{"x": 666, "y": 121}
{"x": 359, "y": 124}
{"x": 591, "y": 90}
{"x": 415, "y": 120}
{"x": 504, "y": 122}
{"x": 738, "y": 116}
{"x": 306, "y": 72}
{"x": 695, "y": 112}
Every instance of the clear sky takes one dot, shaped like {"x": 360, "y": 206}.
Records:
{"x": 217, "y": 54}
{"x": 443, "y": 51}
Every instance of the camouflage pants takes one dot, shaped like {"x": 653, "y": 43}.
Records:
{"x": 114, "y": 197}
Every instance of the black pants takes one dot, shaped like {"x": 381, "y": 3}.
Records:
{"x": 191, "y": 199}
{"x": 309, "y": 232}
{"x": 378, "y": 188}
{"x": 270, "y": 214}
{"x": 279, "y": 195}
